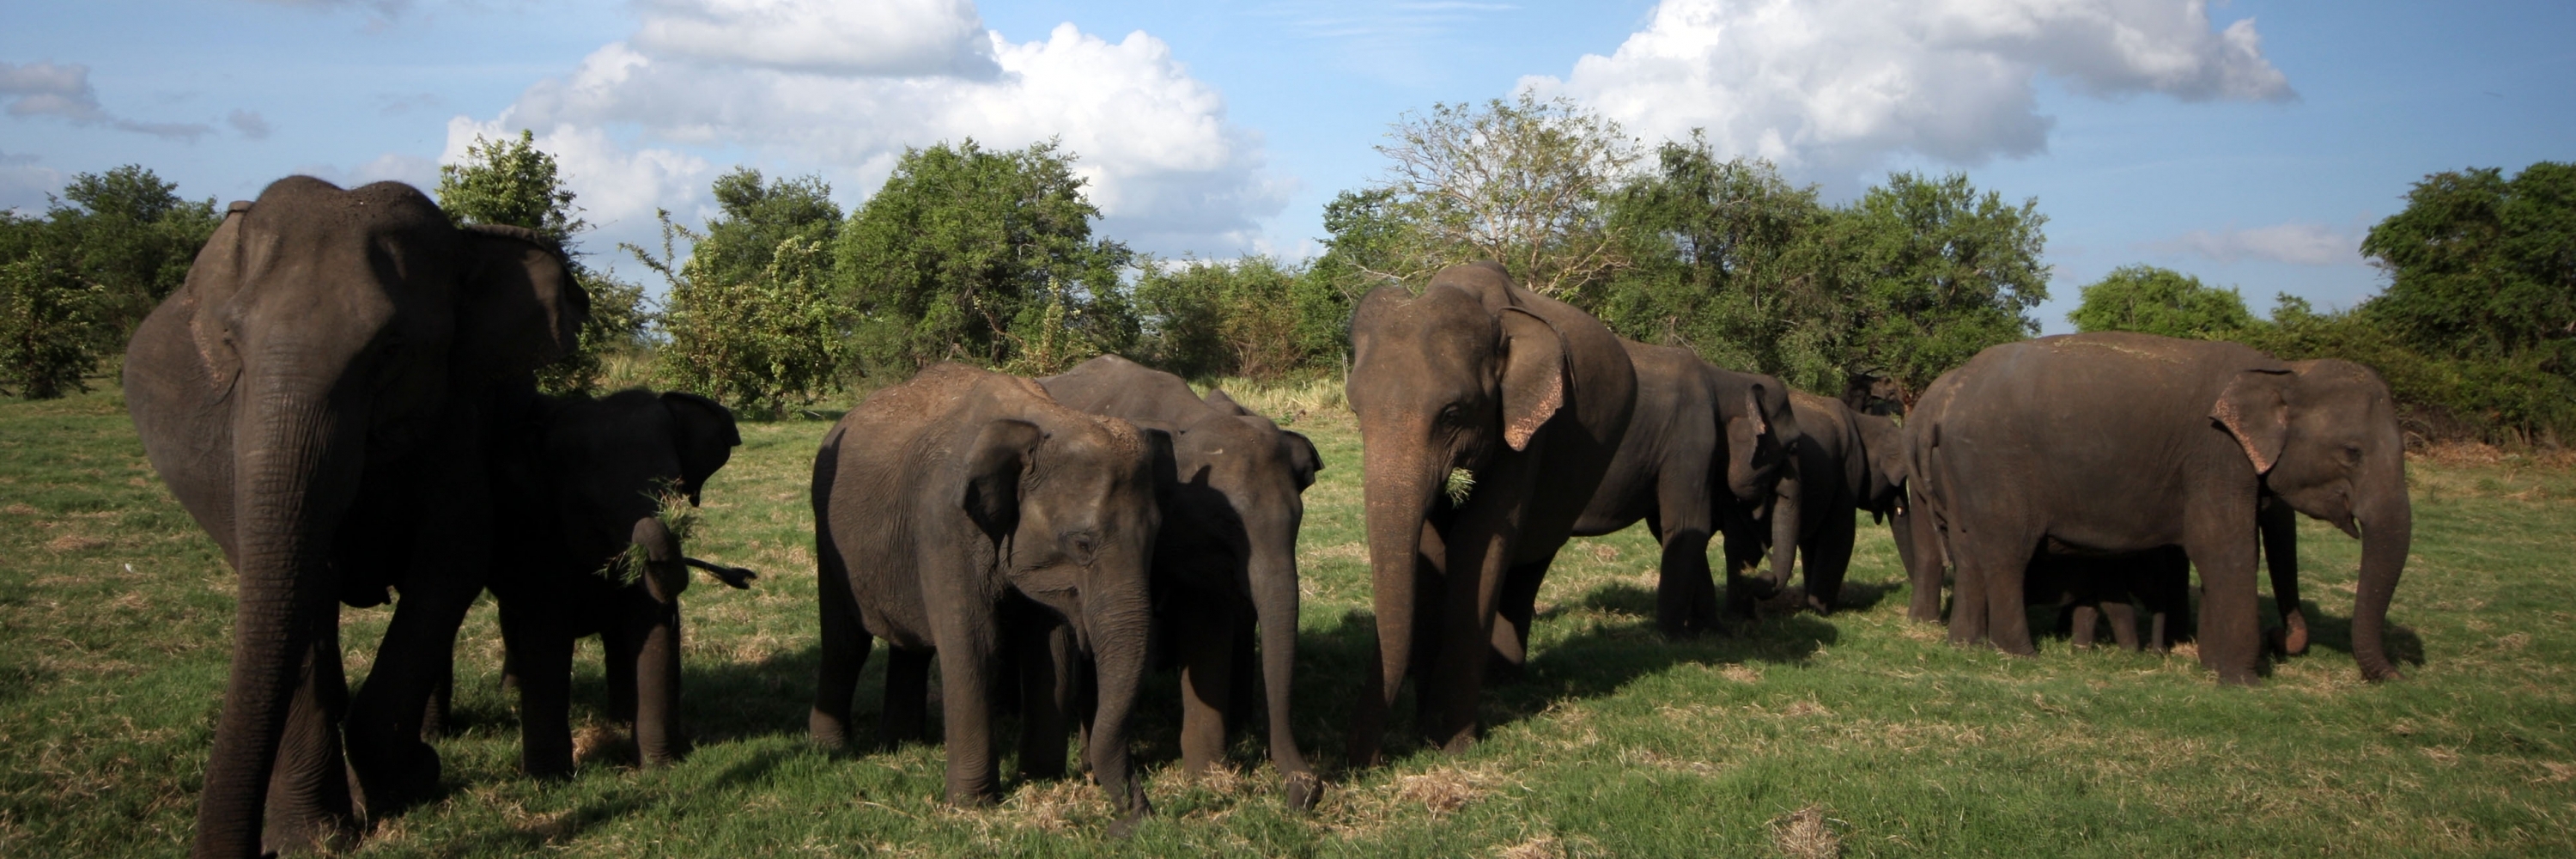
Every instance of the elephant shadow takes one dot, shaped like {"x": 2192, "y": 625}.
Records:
{"x": 2334, "y": 632}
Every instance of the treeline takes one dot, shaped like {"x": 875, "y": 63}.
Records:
{"x": 783, "y": 300}
{"x": 2476, "y": 332}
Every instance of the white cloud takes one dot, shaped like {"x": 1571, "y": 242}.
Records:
{"x": 47, "y": 89}
{"x": 887, "y": 37}
{"x": 630, "y": 123}
{"x": 1840, "y": 84}
{"x": 2293, "y": 242}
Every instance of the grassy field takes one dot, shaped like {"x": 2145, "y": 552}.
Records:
{"x": 1802, "y": 735}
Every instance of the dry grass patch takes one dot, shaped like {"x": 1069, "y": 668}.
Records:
{"x": 75, "y": 543}
{"x": 1804, "y": 834}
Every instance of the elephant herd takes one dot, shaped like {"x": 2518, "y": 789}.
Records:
{"x": 342, "y": 394}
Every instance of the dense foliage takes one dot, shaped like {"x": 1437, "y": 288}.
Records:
{"x": 2160, "y": 301}
{"x": 750, "y": 314}
{"x": 74, "y": 281}
{"x": 513, "y": 183}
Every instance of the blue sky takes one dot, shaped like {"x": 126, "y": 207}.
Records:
{"x": 2249, "y": 143}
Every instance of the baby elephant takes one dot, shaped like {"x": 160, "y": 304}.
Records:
{"x": 578, "y": 489}
{"x": 2152, "y": 586}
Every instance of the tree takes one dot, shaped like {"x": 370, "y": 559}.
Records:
{"x": 1942, "y": 272}
{"x": 2481, "y": 266}
{"x": 2160, "y": 301}
{"x": 1524, "y": 183}
{"x": 1240, "y": 318}
{"x": 1727, "y": 259}
{"x": 513, "y": 183}
{"x": 79, "y": 279}
{"x": 48, "y": 312}
{"x": 983, "y": 256}
{"x": 751, "y": 316}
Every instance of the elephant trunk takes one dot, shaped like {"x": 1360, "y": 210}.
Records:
{"x": 658, "y": 739}
{"x": 2388, "y": 530}
{"x": 1119, "y": 624}
{"x": 289, "y": 491}
{"x": 1274, "y": 595}
{"x": 1400, "y": 488}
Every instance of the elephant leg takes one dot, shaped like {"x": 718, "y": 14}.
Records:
{"x": 2279, "y": 526}
{"x": 655, "y": 675}
{"x": 1681, "y": 576}
{"x": 309, "y": 807}
{"x": 1206, "y": 639}
{"x": 1487, "y": 534}
{"x": 1924, "y": 566}
{"x": 620, "y": 645}
{"x": 2084, "y": 620}
{"x": 1514, "y": 610}
{"x": 1747, "y": 541}
{"x": 545, "y": 691}
{"x": 843, "y": 647}
{"x": 1828, "y": 559}
{"x": 1042, "y": 704}
{"x": 907, "y": 697}
{"x": 967, "y": 666}
{"x": 2230, "y": 634}
{"x": 394, "y": 767}
{"x": 2123, "y": 618}
{"x": 1993, "y": 564}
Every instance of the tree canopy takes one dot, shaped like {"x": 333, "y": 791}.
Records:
{"x": 511, "y": 182}
{"x": 2160, "y": 301}
{"x": 75, "y": 282}
{"x": 751, "y": 315}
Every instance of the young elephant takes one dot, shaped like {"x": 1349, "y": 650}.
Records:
{"x": 2090, "y": 590}
{"x": 577, "y": 491}
{"x": 963, "y": 512}
{"x": 1703, "y": 453}
{"x": 1227, "y": 556}
{"x": 1847, "y": 462}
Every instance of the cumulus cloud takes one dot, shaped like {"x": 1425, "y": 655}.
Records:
{"x": 1843, "y": 83}
{"x": 1169, "y": 172}
{"x": 249, "y": 123}
{"x": 64, "y": 91}
{"x": 886, "y": 37}
{"x": 2293, "y": 242}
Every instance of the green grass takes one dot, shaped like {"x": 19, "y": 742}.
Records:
{"x": 115, "y": 614}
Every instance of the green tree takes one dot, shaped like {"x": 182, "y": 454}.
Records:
{"x": 1525, "y": 183}
{"x": 512, "y": 182}
{"x": 2156, "y": 300}
{"x": 49, "y": 313}
{"x": 983, "y": 256}
{"x": 80, "y": 278}
{"x": 751, "y": 315}
{"x": 1942, "y": 272}
{"x": 1728, "y": 261}
{"x": 1241, "y": 318}
{"x": 2482, "y": 266}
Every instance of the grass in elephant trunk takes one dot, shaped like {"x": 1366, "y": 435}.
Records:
{"x": 115, "y": 613}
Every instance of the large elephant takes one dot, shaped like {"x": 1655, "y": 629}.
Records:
{"x": 1227, "y": 554}
{"x": 1704, "y": 451}
{"x": 320, "y": 395}
{"x": 1526, "y": 393}
{"x": 2112, "y": 443}
{"x": 580, "y": 488}
{"x": 1848, "y": 461}
{"x": 963, "y": 512}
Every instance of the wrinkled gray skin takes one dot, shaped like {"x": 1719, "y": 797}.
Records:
{"x": 1704, "y": 451}
{"x": 964, "y": 512}
{"x": 2088, "y": 591}
{"x": 320, "y": 395}
{"x": 1846, "y": 462}
{"x": 1532, "y": 397}
{"x": 2112, "y": 443}
{"x": 1227, "y": 554}
{"x": 579, "y": 489}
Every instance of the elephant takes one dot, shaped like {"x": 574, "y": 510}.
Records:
{"x": 321, "y": 394}
{"x": 1847, "y": 461}
{"x": 1226, "y": 557}
{"x": 581, "y": 486}
{"x": 1528, "y": 394}
{"x": 2088, "y": 591}
{"x": 2115, "y": 442}
{"x": 1704, "y": 450}
{"x": 963, "y": 512}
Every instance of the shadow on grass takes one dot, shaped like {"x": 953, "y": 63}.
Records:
{"x": 2334, "y": 632}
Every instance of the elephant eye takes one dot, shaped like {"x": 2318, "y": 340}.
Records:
{"x": 2352, "y": 453}
{"x": 1449, "y": 414}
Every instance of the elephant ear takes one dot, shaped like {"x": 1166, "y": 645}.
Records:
{"x": 519, "y": 307}
{"x": 2253, "y": 410}
{"x": 1533, "y": 375}
{"x": 1753, "y": 408}
{"x": 1302, "y": 458}
{"x": 707, "y": 437}
{"x": 994, "y": 464}
{"x": 212, "y": 280}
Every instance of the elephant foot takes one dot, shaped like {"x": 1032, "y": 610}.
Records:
{"x": 1502, "y": 669}
{"x": 290, "y": 833}
{"x": 1301, "y": 790}
{"x": 1126, "y": 825}
{"x": 395, "y": 777}
{"x": 829, "y": 731}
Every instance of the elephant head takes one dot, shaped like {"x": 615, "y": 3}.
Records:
{"x": 1069, "y": 502}
{"x": 1760, "y": 428}
{"x": 2323, "y": 436}
{"x": 323, "y": 335}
